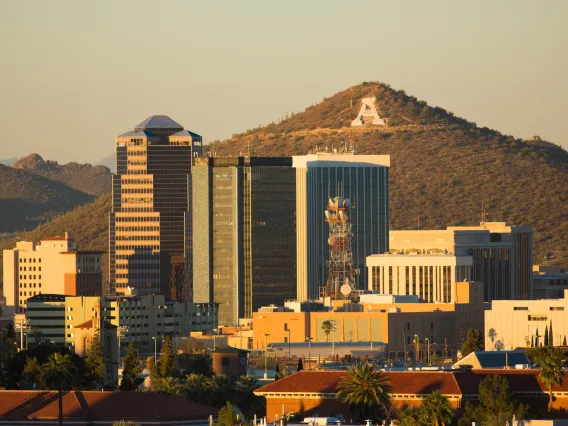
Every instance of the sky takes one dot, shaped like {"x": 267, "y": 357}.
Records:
{"x": 75, "y": 74}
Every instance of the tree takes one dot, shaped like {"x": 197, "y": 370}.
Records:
{"x": 166, "y": 364}
{"x": 328, "y": 327}
{"x": 532, "y": 341}
{"x": 436, "y": 410}
{"x": 32, "y": 373}
{"x": 300, "y": 365}
{"x": 366, "y": 392}
{"x": 95, "y": 364}
{"x": 132, "y": 368}
{"x": 564, "y": 341}
{"x": 409, "y": 416}
{"x": 58, "y": 371}
{"x": 197, "y": 387}
{"x": 472, "y": 342}
{"x": 227, "y": 415}
{"x": 550, "y": 336}
{"x": 551, "y": 372}
{"x": 247, "y": 383}
{"x": 168, "y": 386}
{"x": 546, "y": 342}
{"x": 495, "y": 404}
{"x": 536, "y": 339}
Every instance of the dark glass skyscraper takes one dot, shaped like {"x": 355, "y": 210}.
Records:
{"x": 150, "y": 223}
{"x": 244, "y": 233}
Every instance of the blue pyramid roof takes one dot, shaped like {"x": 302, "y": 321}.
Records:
{"x": 159, "y": 122}
{"x": 187, "y": 133}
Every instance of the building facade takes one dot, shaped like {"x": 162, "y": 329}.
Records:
{"x": 391, "y": 320}
{"x": 431, "y": 277}
{"x": 150, "y": 223}
{"x": 501, "y": 254}
{"x": 549, "y": 281}
{"x": 52, "y": 266}
{"x": 139, "y": 318}
{"x": 361, "y": 178}
{"x": 511, "y": 324}
{"x": 244, "y": 233}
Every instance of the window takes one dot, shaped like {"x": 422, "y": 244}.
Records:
{"x": 557, "y": 308}
{"x": 520, "y": 308}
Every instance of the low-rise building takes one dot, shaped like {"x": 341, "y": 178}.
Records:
{"x": 52, "y": 266}
{"x": 511, "y": 324}
{"x": 311, "y": 392}
{"x": 549, "y": 281}
{"x": 399, "y": 324}
{"x": 431, "y": 277}
{"x": 139, "y": 318}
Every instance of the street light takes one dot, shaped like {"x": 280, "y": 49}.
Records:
{"x": 21, "y": 322}
{"x": 155, "y": 350}
{"x": 416, "y": 347}
{"x": 286, "y": 328}
{"x": 266, "y": 355}
{"x": 428, "y": 346}
{"x": 309, "y": 339}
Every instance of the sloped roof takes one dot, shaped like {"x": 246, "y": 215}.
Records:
{"x": 402, "y": 382}
{"x": 96, "y": 406}
{"x": 159, "y": 122}
{"x": 186, "y": 133}
{"x": 495, "y": 359}
{"x": 140, "y": 133}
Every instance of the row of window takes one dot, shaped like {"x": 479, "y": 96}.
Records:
{"x": 32, "y": 277}
{"x": 24, "y": 285}
{"x": 32, "y": 260}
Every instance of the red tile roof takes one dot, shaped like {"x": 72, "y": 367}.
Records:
{"x": 412, "y": 382}
{"x": 99, "y": 406}
{"x": 402, "y": 382}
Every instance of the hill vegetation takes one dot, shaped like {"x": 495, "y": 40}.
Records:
{"x": 94, "y": 180}
{"x": 443, "y": 168}
{"x": 27, "y": 199}
{"x": 87, "y": 226}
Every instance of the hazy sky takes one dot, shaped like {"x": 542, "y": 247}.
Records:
{"x": 74, "y": 74}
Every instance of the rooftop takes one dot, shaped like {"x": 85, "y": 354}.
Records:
{"x": 98, "y": 407}
{"x": 159, "y": 122}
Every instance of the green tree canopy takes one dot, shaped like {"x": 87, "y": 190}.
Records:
{"x": 366, "y": 392}
{"x": 227, "y": 415}
{"x": 166, "y": 363}
{"x": 132, "y": 368}
{"x": 472, "y": 343}
{"x": 58, "y": 372}
{"x": 328, "y": 327}
{"x": 95, "y": 364}
{"x": 551, "y": 371}
{"x": 435, "y": 410}
{"x": 32, "y": 372}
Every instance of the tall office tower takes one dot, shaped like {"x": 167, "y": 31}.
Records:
{"x": 244, "y": 233}
{"x": 150, "y": 222}
{"x": 501, "y": 254}
{"x": 363, "y": 179}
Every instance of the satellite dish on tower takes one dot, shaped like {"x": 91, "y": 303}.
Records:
{"x": 345, "y": 289}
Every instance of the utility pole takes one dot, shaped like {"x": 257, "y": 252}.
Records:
{"x": 266, "y": 355}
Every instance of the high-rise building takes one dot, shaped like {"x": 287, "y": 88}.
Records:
{"x": 54, "y": 265}
{"x": 150, "y": 222}
{"x": 244, "y": 230}
{"x": 501, "y": 254}
{"x": 361, "y": 178}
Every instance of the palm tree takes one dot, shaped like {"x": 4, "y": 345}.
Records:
{"x": 197, "y": 387}
{"x": 551, "y": 372}
{"x": 57, "y": 371}
{"x": 247, "y": 383}
{"x": 436, "y": 410}
{"x": 366, "y": 391}
{"x": 409, "y": 416}
{"x": 169, "y": 386}
{"x": 328, "y": 327}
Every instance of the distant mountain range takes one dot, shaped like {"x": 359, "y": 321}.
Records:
{"x": 8, "y": 161}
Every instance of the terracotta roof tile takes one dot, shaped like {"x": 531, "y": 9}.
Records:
{"x": 99, "y": 406}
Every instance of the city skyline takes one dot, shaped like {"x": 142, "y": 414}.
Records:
{"x": 65, "y": 66}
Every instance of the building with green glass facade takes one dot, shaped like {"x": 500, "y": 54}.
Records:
{"x": 244, "y": 233}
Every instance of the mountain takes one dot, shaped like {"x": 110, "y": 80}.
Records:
{"x": 444, "y": 168}
{"x": 8, "y": 161}
{"x": 109, "y": 162}
{"x": 94, "y": 180}
{"x": 27, "y": 199}
{"x": 86, "y": 224}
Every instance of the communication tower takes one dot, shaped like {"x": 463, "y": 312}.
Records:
{"x": 341, "y": 273}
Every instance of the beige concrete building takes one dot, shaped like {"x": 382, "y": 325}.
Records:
{"x": 501, "y": 254}
{"x": 52, "y": 266}
{"x": 514, "y": 323}
{"x": 431, "y": 277}
{"x": 139, "y": 318}
{"x": 549, "y": 281}
{"x": 392, "y": 320}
